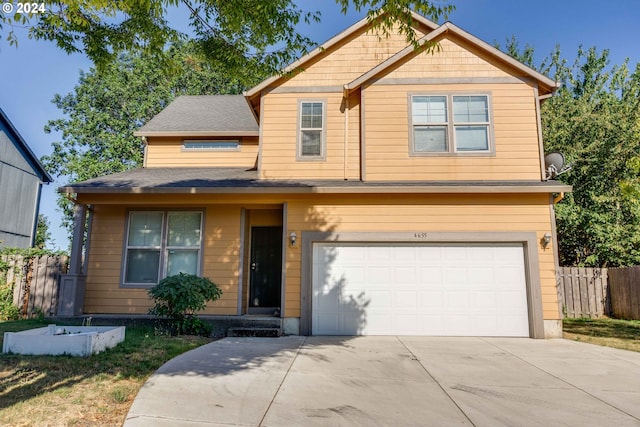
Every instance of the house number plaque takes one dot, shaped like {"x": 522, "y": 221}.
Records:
{"x": 420, "y": 235}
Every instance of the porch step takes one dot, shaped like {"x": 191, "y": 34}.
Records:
{"x": 254, "y": 332}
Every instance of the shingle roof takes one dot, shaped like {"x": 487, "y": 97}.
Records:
{"x": 210, "y": 115}
{"x": 240, "y": 180}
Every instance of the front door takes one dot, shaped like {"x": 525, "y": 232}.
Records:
{"x": 266, "y": 270}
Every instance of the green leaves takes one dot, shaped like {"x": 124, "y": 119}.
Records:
{"x": 178, "y": 297}
{"x": 594, "y": 120}
{"x": 108, "y": 105}
{"x": 265, "y": 31}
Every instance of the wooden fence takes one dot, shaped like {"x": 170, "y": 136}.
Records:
{"x": 584, "y": 292}
{"x": 35, "y": 282}
{"x": 624, "y": 285}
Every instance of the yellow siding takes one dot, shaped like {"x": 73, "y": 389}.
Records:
{"x": 221, "y": 261}
{"x": 517, "y": 155}
{"x": 349, "y": 60}
{"x": 425, "y": 213}
{"x": 168, "y": 152}
{"x": 279, "y": 138}
{"x": 320, "y": 212}
{"x": 452, "y": 59}
{"x": 385, "y": 114}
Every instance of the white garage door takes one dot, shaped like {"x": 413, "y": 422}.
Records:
{"x": 446, "y": 290}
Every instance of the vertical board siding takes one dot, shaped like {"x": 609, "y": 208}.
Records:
{"x": 35, "y": 282}
{"x": 624, "y": 285}
{"x": 584, "y": 292}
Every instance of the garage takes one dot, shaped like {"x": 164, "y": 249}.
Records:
{"x": 453, "y": 289}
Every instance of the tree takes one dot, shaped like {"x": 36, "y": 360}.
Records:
{"x": 109, "y": 104}
{"x": 42, "y": 232}
{"x": 234, "y": 32}
{"x": 594, "y": 120}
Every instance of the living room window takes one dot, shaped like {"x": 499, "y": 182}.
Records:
{"x": 160, "y": 244}
{"x": 448, "y": 124}
{"x": 311, "y": 134}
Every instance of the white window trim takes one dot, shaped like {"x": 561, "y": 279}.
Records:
{"x": 450, "y": 124}
{"x": 323, "y": 130}
{"x": 164, "y": 247}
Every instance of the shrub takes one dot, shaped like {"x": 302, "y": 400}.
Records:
{"x": 178, "y": 297}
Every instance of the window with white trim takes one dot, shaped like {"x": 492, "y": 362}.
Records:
{"x": 311, "y": 135}
{"x": 160, "y": 244}
{"x": 450, "y": 124}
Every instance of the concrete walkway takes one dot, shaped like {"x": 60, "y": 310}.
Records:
{"x": 393, "y": 381}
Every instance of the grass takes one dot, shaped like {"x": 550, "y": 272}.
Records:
{"x": 77, "y": 391}
{"x": 622, "y": 334}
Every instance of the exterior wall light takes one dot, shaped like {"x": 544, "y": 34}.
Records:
{"x": 546, "y": 240}
{"x": 293, "y": 237}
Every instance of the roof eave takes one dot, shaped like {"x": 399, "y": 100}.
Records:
{"x": 197, "y": 133}
{"x": 257, "y": 90}
{"x": 548, "y": 84}
{"x": 370, "y": 189}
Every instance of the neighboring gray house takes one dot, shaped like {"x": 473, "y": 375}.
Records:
{"x": 21, "y": 178}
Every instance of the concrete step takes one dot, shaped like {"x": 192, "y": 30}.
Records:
{"x": 254, "y": 332}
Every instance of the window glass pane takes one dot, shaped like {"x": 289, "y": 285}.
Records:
{"x": 472, "y": 138}
{"x": 429, "y": 139}
{"x": 429, "y": 109}
{"x": 145, "y": 229}
{"x": 184, "y": 229}
{"x": 142, "y": 266}
{"x": 470, "y": 109}
{"x": 311, "y": 143}
{"x": 311, "y": 115}
{"x": 182, "y": 261}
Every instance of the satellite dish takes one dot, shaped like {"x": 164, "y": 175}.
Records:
{"x": 554, "y": 165}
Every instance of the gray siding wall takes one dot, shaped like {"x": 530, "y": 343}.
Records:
{"x": 19, "y": 187}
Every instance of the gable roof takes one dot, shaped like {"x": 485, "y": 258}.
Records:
{"x": 548, "y": 84}
{"x": 203, "y": 115}
{"x": 358, "y": 26}
{"x": 28, "y": 155}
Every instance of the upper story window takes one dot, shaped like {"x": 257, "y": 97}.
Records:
{"x": 450, "y": 124}
{"x": 211, "y": 145}
{"x": 160, "y": 244}
{"x": 311, "y": 130}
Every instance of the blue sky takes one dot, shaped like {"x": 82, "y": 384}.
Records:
{"x": 34, "y": 72}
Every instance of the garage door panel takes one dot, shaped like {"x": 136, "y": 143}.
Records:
{"x": 375, "y": 289}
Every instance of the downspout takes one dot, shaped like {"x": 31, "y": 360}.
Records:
{"x": 146, "y": 147}
{"x": 538, "y": 100}
{"x": 346, "y": 134}
{"x": 87, "y": 242}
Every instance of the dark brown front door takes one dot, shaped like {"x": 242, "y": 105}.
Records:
{"x": 266, "y": 270}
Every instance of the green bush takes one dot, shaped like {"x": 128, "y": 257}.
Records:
{"x": 178, "y": 297}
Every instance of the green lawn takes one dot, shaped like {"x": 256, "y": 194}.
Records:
{"x": 623, "y": 334}
{"x": 76, "y": 391}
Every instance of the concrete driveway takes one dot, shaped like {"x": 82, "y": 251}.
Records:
{"x": 393, "y": 381}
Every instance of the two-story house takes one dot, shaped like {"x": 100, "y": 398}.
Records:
{"x": 21, "y": 179}
{"x": 378, "y": 190}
